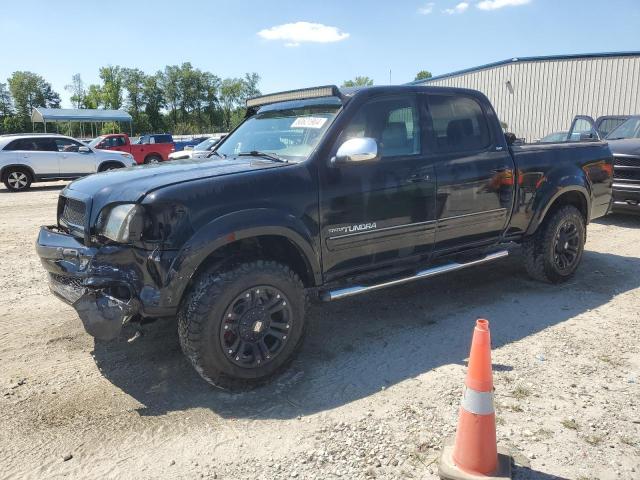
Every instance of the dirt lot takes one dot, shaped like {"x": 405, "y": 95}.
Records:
{"x": 373, "y": 394}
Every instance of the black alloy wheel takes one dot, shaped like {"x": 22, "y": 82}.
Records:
{"x": 256, "y": 326}
{"x": 566, "y": 246}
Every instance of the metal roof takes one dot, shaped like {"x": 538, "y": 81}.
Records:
{"x": 528, "y": 59}
{"x": 78, "y": 115}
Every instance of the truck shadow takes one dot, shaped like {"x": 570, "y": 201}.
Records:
{"x": 356, "y": 347}
{"x": 626, "y": 220}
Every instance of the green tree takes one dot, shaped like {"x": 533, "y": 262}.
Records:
{"x": 358, "y": 82}
{"x": 170, "y": 85}
{"x": 232, "y": 91}
{"x": 133, "y": 82}
{"x": 93, "y": 97}
{"x": 112, "y": 88}
{"x": 30, "y": 90}
{"x": 423, "y": 75}
{"x": 154, "y": 100}
{"x": 6, "y": 108}
{"x": 77, "y": 90}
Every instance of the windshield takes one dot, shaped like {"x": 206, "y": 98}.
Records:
{"x": 290, "y": 133}
{"x": 95, "y": 141}
{"x": 207, "y": 144}
{"x": 629, "y": 129}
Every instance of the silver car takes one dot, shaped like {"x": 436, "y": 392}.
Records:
{"x": 28, "y": 158}
{"x": 199, "y": 151}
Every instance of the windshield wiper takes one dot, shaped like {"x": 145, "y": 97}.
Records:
{"x": 270, "y": 156}
{"x": 215, "y": 152}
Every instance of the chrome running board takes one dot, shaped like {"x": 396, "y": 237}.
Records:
{"x": 430, "y": 272}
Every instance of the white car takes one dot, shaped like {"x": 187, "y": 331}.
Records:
{"x": 199, "y": 151}
{"x": 28, "y": 158}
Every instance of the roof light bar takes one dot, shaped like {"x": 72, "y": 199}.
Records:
{"x": 302, "y": 94}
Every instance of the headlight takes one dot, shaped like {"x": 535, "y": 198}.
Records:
{"x": 122, "y": 223}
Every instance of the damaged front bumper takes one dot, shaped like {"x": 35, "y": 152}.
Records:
{"x": 100, "y": 283}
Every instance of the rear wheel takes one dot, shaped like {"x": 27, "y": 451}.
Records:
{"x": 241, "y": 326}
{"x": 17, "y": 179}
{"x": 152, "y": 159}
{"x": 554, "y": 252}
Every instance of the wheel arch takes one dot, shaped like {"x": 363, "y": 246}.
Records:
{"x": 4, "y": 170}
{"x": 104, "y": 163}
{"x": 247, "y": 235}
{"x": 576, "y": 195}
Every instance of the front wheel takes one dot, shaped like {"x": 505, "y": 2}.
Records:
{"x": 241, "y": 326}
{"x": 554, "y": 252}
{"x": 152, "y": 159}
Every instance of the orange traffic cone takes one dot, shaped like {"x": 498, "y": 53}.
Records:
{"x": 475, "y": 453}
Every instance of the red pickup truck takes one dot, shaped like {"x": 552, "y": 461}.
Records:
{"x": 149, "y": 149}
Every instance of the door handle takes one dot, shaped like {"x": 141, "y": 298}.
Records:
{"x": 419, "y": 178}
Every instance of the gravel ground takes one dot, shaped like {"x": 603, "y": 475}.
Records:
{"x": 373, "y": 394}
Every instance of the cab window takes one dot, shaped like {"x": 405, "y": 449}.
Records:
{"x": 67, "y": 145}
{"x": 392, "y": 122}
{"x": 459, "y": 124}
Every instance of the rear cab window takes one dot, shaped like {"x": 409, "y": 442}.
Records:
{"x": 459, "y": 124}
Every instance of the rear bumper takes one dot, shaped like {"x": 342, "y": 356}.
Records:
{"x": 102, "y": 284}
{"x": 626, "y": 197}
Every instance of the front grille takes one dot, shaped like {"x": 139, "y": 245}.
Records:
{"x": 69, "y": 288}
{"x": 627, "y": 161}
{"x": 626, "y": 169}
{"x": 631, "y": 174}
{"x": 72, "y": 212}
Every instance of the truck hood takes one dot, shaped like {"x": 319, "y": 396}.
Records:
{"x": 626, "y": 146}
{"x": 132, "y": 184}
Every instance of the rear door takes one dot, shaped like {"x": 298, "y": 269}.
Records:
{"x": 74, "y": 163}
{"x": 381, "y": 212}
{"x": 475, "y": 172}
{"x": 40, "y": 153}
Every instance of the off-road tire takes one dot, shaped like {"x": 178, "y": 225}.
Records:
{"x": 17, "y": 179}
{"x": 152, "y": 159}
{"x": 540, "y": 248}
{"x": 202, "y": 314}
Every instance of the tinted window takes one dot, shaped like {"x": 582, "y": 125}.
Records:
{"x": 67, "y": 145}
{"x": 394, "y": 123}
{"x": 608, "y": 125}
{"x": 162, "y": 139}
{"x": 21, "y": 144}
{"x": 459, "y": 123}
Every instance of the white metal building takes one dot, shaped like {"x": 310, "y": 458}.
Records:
{"x": 536, "y": 96}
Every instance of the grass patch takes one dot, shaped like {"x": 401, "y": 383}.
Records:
{"x": 614, "y": 362}
{"x": 570, "y": 424}
{"x": 544, "y": 433}
{"x": 628, "y": 441}
{"x": 594, "y": 440}
{"x": 521, "y": 392}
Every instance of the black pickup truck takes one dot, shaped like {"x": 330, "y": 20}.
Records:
{"x": 320, "y": 193}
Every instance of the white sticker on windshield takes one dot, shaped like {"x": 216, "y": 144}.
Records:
{"x": 308, "y": 122}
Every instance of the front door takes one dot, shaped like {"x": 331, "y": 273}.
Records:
{"x": 380, "y": 212}
{"x": 475, "y": 173}
{"x": 74, "y": 163}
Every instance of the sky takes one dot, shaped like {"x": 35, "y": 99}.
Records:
{"x": 295, "y": 44}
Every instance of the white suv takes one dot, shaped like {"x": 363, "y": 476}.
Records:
{"x": 28, "y": 158}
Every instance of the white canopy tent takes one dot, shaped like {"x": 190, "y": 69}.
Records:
{"x": 82, "y": 116}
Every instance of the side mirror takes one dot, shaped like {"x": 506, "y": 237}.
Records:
{"x": 84, "y": 150}
{"x": 510, "y": 138}
{"x": 356, "y": 150}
